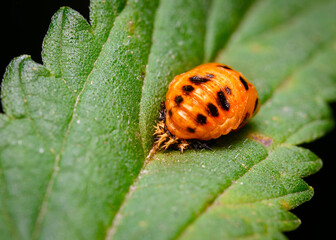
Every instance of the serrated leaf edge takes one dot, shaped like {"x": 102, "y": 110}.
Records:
{"x": 58, "y": 156}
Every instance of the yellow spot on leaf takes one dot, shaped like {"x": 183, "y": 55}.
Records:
{"x": 264, "y": 140}
{"x": 285, "y": 204}
{"x": 143, "y": 224}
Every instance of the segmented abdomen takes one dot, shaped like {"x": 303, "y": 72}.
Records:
{"x": 209, "y": 101}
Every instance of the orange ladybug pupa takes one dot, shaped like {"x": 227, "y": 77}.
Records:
{"x": 205, "y": 103}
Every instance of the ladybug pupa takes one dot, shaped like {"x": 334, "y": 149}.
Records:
{"x": 204, "y": 103}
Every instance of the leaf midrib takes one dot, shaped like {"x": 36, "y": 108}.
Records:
{"x": 118, "y": 216}
{"x": 286, "y": 79}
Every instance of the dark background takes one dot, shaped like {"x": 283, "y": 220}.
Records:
{"x": 23, "y": 26}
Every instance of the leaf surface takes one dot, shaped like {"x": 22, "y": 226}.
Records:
{"x": 66, "y": 147}
{"x": 235, "y": 191}
{"x": 175, "y": 49}
{"x": 76, "y": 129}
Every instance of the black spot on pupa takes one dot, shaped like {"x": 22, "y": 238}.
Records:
{"x": 256, "y": 105}
{"x": 210, "y": 75}
{"x": 178, "y": 99}
{"x": 201, "y": 119}
{"x": 243, "y": 81}
{"x": 170, "y": 113}
{"x": 228, "y": 90}
{"x": 191, "y": 130}
{"x": 225, "y": 67}
{"x": 198, "y": 79}
{"x": 213, "y": 110}
{"x": 222, "y": 100}
{"x": 188, "y": 88}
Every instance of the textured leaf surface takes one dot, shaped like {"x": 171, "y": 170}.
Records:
{"x": 235, "y": 191}
{"x": 66, "y": 159}
{"x": 76, "y": 129}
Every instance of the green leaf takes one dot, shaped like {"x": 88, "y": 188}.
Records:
{"x": 66, "y": 148}
{"x": 175, "y": 49}
{"x": 77, "y": 129}
{"x": 224, "y": 18}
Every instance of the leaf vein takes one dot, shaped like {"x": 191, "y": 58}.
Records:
{"x": 56, "y": 168}
{"x": 283, "y": 24}
{"x": 236, "y": 28}
{"x": 7, "y": 215}
{"x": 212, "y": 201}
{"x": 267, "y": 200}
{"x": 60, "y": 53}
{"x": 115, "y": 222}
